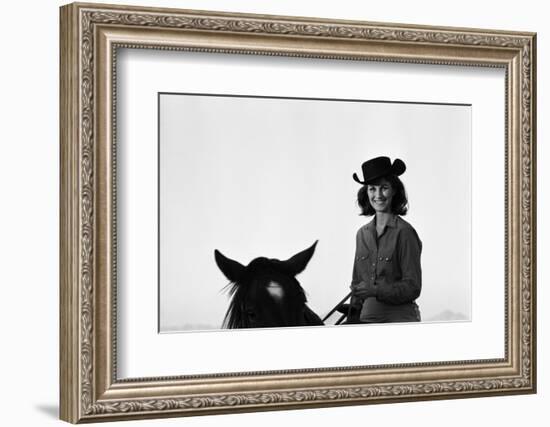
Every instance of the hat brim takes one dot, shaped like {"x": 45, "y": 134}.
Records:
{"x": 356, "y": 179}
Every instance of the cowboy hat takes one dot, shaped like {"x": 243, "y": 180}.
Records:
{"x": 380, "y": 167}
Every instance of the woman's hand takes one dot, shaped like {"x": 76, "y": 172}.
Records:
{"x": 363, "y": 290}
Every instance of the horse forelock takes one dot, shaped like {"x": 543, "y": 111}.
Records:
{"x": 263, "y": 284}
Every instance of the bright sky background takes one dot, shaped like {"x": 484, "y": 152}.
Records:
{"x": 267, "y": 177}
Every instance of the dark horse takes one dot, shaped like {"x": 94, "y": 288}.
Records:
{"x": 266, "y": 293}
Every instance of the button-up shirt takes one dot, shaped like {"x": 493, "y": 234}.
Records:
{"x": 391, "y": 262}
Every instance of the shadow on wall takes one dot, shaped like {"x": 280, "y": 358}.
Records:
{"x": 50, "y": 410}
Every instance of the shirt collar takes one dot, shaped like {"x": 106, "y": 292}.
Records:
{"x": 391, "y": 223}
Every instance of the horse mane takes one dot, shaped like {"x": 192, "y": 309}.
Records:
{"x": 233, "y": 317}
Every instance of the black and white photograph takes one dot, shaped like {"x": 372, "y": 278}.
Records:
{"x": 297, "y": 212}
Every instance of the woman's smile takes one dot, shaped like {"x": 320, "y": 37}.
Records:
{"x": 380, "y": 195}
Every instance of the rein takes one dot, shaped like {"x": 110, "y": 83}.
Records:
{"x": 343, "y": 316}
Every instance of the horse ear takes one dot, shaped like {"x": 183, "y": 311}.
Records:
{"x": 298, "y": 262}
{"x": 231, "y": 269}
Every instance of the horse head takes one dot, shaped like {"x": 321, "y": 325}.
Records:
{"x": 266, "y": 293}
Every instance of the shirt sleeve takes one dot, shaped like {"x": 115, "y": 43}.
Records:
{"x": 408, "y": 288}
{"x": 356, "y": 277}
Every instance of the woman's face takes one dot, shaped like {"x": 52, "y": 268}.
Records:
{"x": 380, "y": 195}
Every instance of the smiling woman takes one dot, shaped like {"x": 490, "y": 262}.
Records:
{"x": 387, "y": 277}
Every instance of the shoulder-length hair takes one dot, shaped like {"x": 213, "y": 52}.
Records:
{"x": 399, "y": 204}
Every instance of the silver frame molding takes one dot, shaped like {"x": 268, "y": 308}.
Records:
{"x": 90, "y": 36}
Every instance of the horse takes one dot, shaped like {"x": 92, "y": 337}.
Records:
{"x": 265, "y": 293}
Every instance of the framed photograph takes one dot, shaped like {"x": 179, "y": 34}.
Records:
{"x": 267, "y": 212}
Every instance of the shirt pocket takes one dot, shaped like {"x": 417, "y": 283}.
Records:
{"x": 387, "y": 264}
{"x": 362, "y": 262}
{"x": 363, "y": 256}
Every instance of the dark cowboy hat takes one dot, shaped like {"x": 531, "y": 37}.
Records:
{"x": 380, "y": 167}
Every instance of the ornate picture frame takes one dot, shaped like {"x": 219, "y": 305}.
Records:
{"x": 91, "y": 35}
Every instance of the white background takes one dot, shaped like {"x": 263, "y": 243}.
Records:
{"x": 29, "y": 175}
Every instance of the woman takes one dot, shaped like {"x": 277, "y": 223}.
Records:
{"x": 387, "y": 277}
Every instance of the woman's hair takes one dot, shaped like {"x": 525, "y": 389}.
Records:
{"x": 399, "y": 203}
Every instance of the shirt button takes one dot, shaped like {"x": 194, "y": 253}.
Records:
{"x": 380, "y": 259}
{"x": 387, "y": 259}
